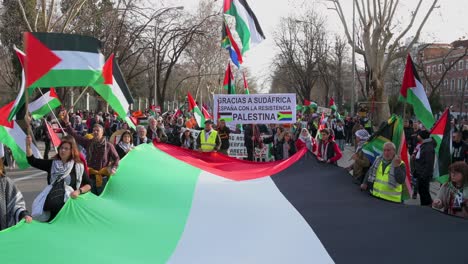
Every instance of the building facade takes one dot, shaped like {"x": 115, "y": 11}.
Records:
{"x": 445, "y": 67}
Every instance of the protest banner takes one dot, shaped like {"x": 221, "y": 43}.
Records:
{"x": 255, "y": 108}
{"x": 325, "y": 110}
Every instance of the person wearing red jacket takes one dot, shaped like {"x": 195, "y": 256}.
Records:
{"x": 306, "y": 140}
{"x": 328, "y": 150}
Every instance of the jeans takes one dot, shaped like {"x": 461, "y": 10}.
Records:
{"x": 341, "y": 143}
{"x": 98, "y": 190}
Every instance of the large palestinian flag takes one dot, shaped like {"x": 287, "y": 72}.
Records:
{"x": 61, "y": 60}
{"x": 195, "y": 209}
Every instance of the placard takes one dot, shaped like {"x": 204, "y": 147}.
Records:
{"x": 255, "y": 108}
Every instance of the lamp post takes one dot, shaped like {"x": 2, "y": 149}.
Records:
{"x": 160, "y": 12}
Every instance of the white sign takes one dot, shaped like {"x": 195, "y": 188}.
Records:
{"x": 325, "y": 110}
{"x": 255, "y": 108}
{"x": 236, "y": 146}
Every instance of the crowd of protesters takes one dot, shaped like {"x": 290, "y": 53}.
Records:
{"x": 96, "y": 143}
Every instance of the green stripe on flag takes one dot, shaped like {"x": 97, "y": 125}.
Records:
{"x": 135, "y": 220}
{"x": 45, "y": 109}
{"x": 422, "y": 113}
{"x": 69, "y": 78}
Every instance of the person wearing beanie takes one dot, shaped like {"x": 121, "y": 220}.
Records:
{"x": 424, "y": 166}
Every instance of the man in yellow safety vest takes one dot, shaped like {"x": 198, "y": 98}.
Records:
{"x": 386, "y": 175}
{"x": 208, "y": 140}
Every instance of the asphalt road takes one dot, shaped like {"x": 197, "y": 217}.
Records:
{"x": 30, "y": 182}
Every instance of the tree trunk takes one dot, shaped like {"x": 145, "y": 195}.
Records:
{"x": 381, "y": 108}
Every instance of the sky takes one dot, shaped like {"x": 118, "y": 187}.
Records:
{"x": 446, "y": 24}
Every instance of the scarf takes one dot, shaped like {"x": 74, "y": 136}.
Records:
{"x": 62, "y": 170}
{"x": 141, "y": 141}
{"x": 307, "y": 140}
{"x": 126, "y": 147}
{"x": 10, "y": 212}
{"x": 456, "y": 197}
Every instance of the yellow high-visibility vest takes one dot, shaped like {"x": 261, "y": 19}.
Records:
{"x": 210, "y": 144}
{"x": 382, "y": 187}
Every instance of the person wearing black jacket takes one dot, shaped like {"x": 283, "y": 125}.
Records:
{"x": 460, "y": 148}
{"x": 286, "y": 147}
{"x": 223, "y": 132}
{"x": 424, "y": 166}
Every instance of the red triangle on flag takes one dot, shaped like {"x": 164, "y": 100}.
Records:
{"x": 53, "y": 93}
{"x": 408, "y": 78}
{"x": 39, "y": 59}
{"x": 53, "y": 136}
{"x": 4, "y": 113}
{"x": 439, "y": 126}
{"x": 107, "y": 70}
{"x": 332, "y": 102}
{"x": 191, "y": 102}
{"x": 306, "y": 102}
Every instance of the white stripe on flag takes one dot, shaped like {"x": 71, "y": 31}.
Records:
{"x": 422, "y": 96}
{"x": 40, "y": 102}
{"x": 119, "y": 94}
{"x": 20, "y": 138}
{"x": 78, "y": 60}
{"x": 254, "y": 221}
{"x": 255, "y": 37}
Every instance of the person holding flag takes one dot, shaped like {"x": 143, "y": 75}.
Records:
{"x": 386, "y": 176}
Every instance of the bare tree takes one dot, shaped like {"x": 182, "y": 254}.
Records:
{"x": 303, "y": 47}
{"x": 381, "y": 41}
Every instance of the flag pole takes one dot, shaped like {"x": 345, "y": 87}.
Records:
{"x": 79, "y": 97}
{"x": 58, "y": 121}
{"x": 26, "y": 114}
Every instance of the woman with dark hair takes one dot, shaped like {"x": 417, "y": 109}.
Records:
{"x": 12, "y": 205}
{"x": 328, "y": 150}
{"x": 65, "y": 173}
{"x": 187, "y": 140}
{"x": 453, "y": 195}
{"x": 125, "y": 144}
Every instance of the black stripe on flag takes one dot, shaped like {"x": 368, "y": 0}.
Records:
{"x": 71, "y": 42}
{"x": 118, "y": 77}
{"x": 252, "y": 15}
{"x": 355, "y": 227}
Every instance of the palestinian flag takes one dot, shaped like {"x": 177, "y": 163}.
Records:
{"x": 53, "y": 136}
{"x": 413, "y": 92}
{"x": 228, "y": 82}
{"x": 332, "y": 104}
{"x": 203, "y": 211}
{"x": 13, "y": 136}
{"x": 226, "y": 116}
{"x": 115, "y": 90}
{"x": 206, "y": 114}
{"x": 62, "y": 60}
{"x": 247, "y": 25}
{"x": 197, "y": 113}
{"x": 43, "y": 105}
{"x": 19, "y": 101}
{"x": 179, "y": 111}
{"x": 441, "y": 134}
{"x": 246, "y": 85}
{"x": 230, "y": 44}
